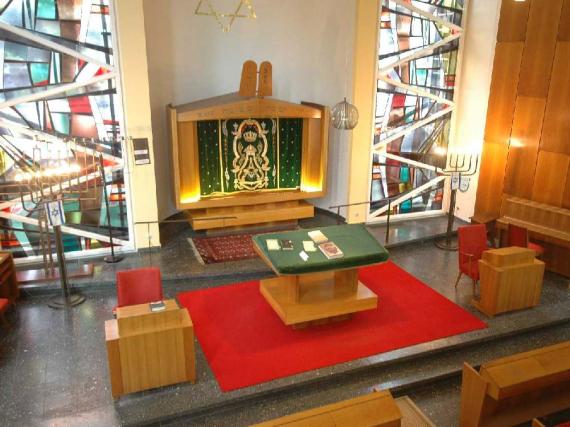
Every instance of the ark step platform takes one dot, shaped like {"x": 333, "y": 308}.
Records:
{"x": 235, "y": 216}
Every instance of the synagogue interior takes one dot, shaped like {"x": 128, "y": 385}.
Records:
{"x": 300, "y": 213}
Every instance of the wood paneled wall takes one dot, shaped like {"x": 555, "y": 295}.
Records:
{"x": 527, "y": 135}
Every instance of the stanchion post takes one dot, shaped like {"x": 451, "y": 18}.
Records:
{"x": 113, "y": 258}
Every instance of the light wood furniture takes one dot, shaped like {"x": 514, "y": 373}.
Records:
{"x": 234, "y": 209}
{"x": 412, "y": 416}
{"x": 516, "y": 389}
{"x": 315, "y": 298}
{"x": 8, "y": 282}
{"x": 319, "y": 290}
{"x": 148, "y": 349}
{"x": 548, "y": 225}
{"x": 511, "y": 279}
{"x": 376, "y": 409}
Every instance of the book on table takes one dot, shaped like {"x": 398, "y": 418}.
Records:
{"x": 330, "y": 250}
{"x": 318, "y": 237}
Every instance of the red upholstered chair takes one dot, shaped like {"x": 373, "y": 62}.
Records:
{"x": 4, "y": 304}
{"x": 472, "y": 241}
{"x": 518, "y": 236}
{"x": 138, "y": 286}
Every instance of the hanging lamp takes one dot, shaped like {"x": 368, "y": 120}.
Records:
{"x": 344, "y": 115}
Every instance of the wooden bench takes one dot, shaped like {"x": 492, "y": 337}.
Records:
{"x": 376, "y": 409}
{"x": 548, "y": 225}
{"x": 516, "y": 389}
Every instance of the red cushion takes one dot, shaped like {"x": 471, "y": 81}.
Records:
{"x": 537, "y": 248}
{"x": 471, "y": 270}
{"x": 4, "y": 303}
{"x": 138, "y": 286}
{"x": 564, "y": 424}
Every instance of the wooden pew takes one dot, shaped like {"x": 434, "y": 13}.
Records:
{"x": 550, "y": 225}
{"x": 376, "y": 409}
{"x": 516, "y": 389}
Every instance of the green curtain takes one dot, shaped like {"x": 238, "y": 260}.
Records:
{"x": 249, "y": 165}
{"x": 290, "y": 141}
{"x": 209, "y": 157}
{"x": 250, "y": 155}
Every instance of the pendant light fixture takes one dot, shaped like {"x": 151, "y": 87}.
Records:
{"x": 344, "y": 115}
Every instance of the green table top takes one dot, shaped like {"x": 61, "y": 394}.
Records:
{"x": 360, "y": 248}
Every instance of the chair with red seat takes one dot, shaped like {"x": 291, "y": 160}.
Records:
{"x": 518, "y": 236}
{"x": 4, "y": 304}
{"x": 138, "y": 286}
{"x": 472, "y": 242}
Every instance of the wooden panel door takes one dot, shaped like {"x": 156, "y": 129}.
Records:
{"x": 513, "y": 21}
{"x": 556, "y": 122}
{"x": 566, "y": 197}
{"x": 491, "y": 179}
{"x": 564, "y": 27}
{"x": 550, "y": 178}
{"x": 540, "y": 44}
{"x": 503, "y": 92}
{"x": 523, "y": 150}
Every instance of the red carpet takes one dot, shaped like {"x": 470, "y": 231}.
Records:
{"x": 246, "y": 343}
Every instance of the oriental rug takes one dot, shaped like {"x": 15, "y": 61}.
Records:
{"x": 234, "y": 247}
{"x": 246, "y": 343}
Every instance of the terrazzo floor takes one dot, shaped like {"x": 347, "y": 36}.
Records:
{"x": 53, "y": 363}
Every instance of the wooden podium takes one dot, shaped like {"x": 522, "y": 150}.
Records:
{"x": 148, "y": 349}
{"x": 511, "y": 279}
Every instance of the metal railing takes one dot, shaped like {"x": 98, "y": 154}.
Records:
{"x": 389, "y": 201}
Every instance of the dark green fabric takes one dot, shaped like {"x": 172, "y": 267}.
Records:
{"x": 209, "y": 157}
{"x": 279, "y": 168}
{"x": 360, "y": 248}
{"x": 290, "y": 139}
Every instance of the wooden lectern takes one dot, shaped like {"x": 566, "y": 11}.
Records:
{"x": 148, "y": 349}
{"x": 511, "y": 279}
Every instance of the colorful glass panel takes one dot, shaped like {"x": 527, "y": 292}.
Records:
{"x": 417, "y": 59}
{"x": 39, "y": 126}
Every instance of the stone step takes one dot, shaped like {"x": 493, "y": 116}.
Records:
{"x": 402, "y": 376}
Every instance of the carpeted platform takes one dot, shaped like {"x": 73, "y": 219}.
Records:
{"x": 246, "y": 343}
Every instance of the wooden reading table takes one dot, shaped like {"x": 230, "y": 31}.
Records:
{"x": 319, "y": 289}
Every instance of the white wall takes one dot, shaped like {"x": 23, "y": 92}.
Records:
{"x": 190, "y": 58}
{"x": 474, "y": 87}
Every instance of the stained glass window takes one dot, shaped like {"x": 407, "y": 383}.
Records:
{"x": 58, "y": 97}
{"x": 417, "y": 66}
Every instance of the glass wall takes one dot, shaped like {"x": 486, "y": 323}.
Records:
{"x": 60, "y": 111}
{"x": 418, "y": 55}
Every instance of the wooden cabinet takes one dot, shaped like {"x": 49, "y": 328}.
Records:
{"x": 148, "y": 349}
{"x": 8, "y": 282}
{"x": 511, "y": 279}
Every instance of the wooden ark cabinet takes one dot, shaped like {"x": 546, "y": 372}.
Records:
{"x": 232, "y": 128}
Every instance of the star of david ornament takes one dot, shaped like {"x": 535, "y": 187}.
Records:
{"x": 226, "y": 20}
